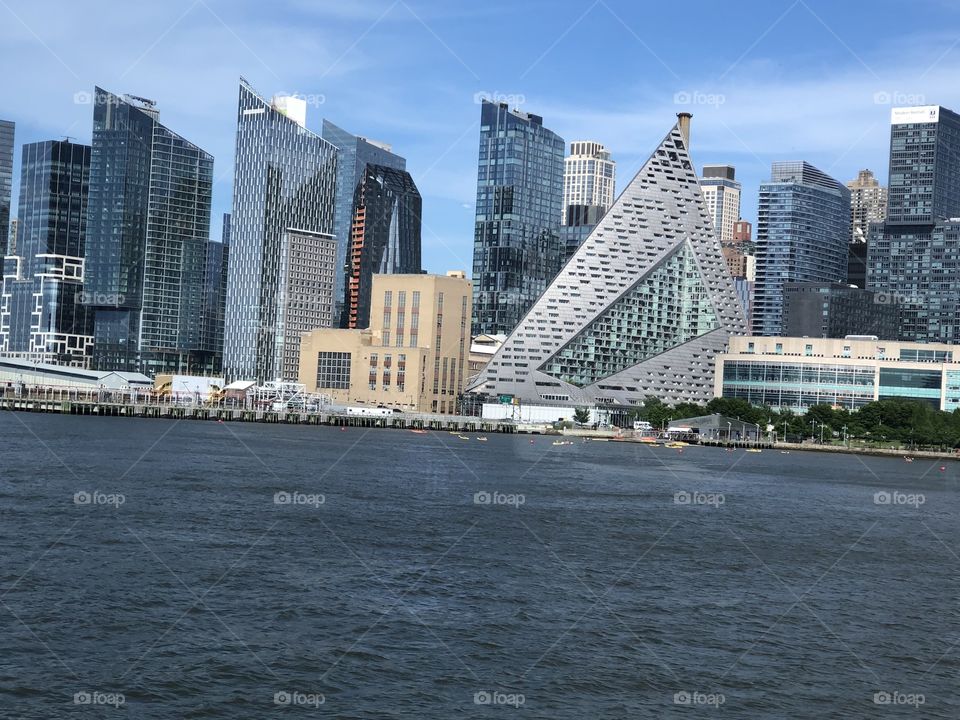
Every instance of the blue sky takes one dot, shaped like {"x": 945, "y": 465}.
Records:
{"x": 765, "y": 81}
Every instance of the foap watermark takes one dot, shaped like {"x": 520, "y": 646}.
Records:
{"x": 898, "y": 698}
{"x": 696, "y": 97}
{"x": 96, "y": 697}
{"x": 698, "y": 498}
{"x": 298, "y": 498}
{"x": 493, "y": 497}
{"x": 495, "y": 697}
{"x": 97, "y": 298}
{"x": 895, "y": 497}
{"x": 497, "y": 97}
{"x": 311, "y": 99}
{"x": 886, "y": 297}
{"x": 85, "y": 97}
{"x": 687, "y": 697}
{"x": 98, "y": 498}
{"x": 295, "y": 697}
{"x": 896, "y": 97}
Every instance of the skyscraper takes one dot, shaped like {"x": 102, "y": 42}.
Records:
{"x": 384, "y": 238}
{"x": 868, "y": 204}
{"x": 6, "y": 179}
{"x": 589, "y": 178}
{"x": 355, "y": 153}
{"x": 721, "y": 193}
{"x": 41, "y": 317}
{"x": 284, "y": 193}
{"x": 641, "y": 309}
{"x": 148, "y": 224}
{"x": 517, "y": 249}
{"x": 914, "y": 256}
{"x": 803, "y": 230}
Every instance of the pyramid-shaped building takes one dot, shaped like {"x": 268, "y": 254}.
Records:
{"x": 642, "y": 308}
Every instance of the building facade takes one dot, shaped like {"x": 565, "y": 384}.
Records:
{"x": 642, "y": 308}
{"x": 517, "y": 248}
{"x": 795, "y": 374}
{"x": 42, "y": 317}
{"x": 354, "y": 154}
{"x": 413, "y": 357}
{"x": 284, "y": 185}
{"x": 148, "y": 224}
{"x": 803, "y": 229}
{"x": 914, "y": 256}
{"x": 7, "y": 128}
{"x": 721, "y": 193}
{"x": 868, "y": 204}
{"x": 384, "y": 237}
{"x": 835, "y": 310}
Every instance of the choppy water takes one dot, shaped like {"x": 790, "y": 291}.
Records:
{"x": 783, "y": 589}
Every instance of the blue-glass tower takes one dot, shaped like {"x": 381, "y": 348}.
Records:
{"x": 517, "y": 249}
{"x": 803, "y": 228}
{"x": 148, "y": 224}
{"x": 284, "y": 183}
{"x": 42, "y": 317}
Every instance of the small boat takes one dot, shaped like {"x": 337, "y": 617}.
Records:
{"x": 753, "y": 450}
{"x": 463, "y": 437}
{"x": 418, "y": 431}
{"x": 647, "y": 440}
{"x": 908, "y": 459}
{"x": 676, "y": 445}
{"x": 563, "y": 442}
{"x": 482, "y": 438}
{"x": 784, "y": 452}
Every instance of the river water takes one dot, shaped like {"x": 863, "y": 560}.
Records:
{"x": 159, "y": 569}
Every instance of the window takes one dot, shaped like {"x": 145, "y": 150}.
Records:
{"x": 333, "y": 370}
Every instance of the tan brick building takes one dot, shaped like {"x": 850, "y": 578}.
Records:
{"x": 412, "y": 357}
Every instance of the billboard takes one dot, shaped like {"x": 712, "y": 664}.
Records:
{"x": 918, "y": 114}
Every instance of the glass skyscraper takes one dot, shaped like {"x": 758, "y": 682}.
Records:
{"x": 913, "y": 258}
{"x": 803, "y": 228}
{"x": 355, "y": 153}
{"x": 6, "y": 180}
{"x": 147, "y": 232}
{"x": 284, "y": 184}
{"x": 41, "y": 317}
{"x": 384, "y": 239}
{"x": 517, "y": 249}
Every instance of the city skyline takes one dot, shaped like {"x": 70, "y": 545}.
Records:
{"x": 745, "y": 101}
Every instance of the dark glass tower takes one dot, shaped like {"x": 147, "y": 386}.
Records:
{"x": 517, "y": 248}
{"x": 384, "y": 238}
{"x": 148, "y": 227}
{"x": 43, "y": 318}
{"x": 913, "y": 258}
{"x": 284, "y": 185}
{"x": 6, "y": 180}
{"x": 803, "y": 230}
{"x": 355, "y": 153}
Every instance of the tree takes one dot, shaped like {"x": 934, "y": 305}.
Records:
{"x": 581, "y": 416}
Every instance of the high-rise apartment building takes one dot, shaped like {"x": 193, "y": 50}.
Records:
{"x": 412, "y": 357}
{"x": 803, "y": 230}
{"x": 284, "y": 195}
{"x": 41, "y": 315}
{"x": 835, "y": 310}
{"x": 589, "y": 179}
{"x": 868, "y": 204}
{"x": 12, "y": 242}
{"x": 354, "y": 154}
{"x": 721, "y": 193}
{"x": 148, "y": 223}
{"x": 6, "y": 179}
{"x": 384, "y": 237}
{"x": 517, "y": 248}
{"x": 914, "y": 256}
{"x": 642, "y": 307}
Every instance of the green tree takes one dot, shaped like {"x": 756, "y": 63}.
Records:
{"x": 581, "y": 416}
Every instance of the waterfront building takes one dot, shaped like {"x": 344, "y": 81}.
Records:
{"x": 413, "y": 356}
{"x": 148, "y": 223}
{"x": 789, "y": 373}
{"x": 41, "y": 315}
{"x": 384, "y": 237}
{"x": 914, "y": 256}
{"x": 7, "y": 128}
{"x": 517, "y": 248}
{"x": 721, "y": 193}
{"x": 284, "y": 196}
{"x": 835, "y": 310}
{"x": 589, "y": 179}
{"x": 803, "y": 227}
{"x": 354, "y": 154}
{"x": 642, "y": 308}
{"x": 18, "y": 372}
